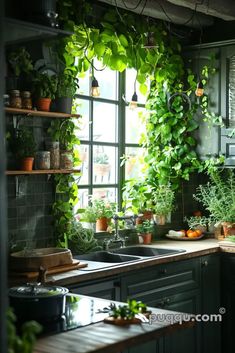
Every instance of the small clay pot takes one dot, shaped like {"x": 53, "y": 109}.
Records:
{"x": 145, "y": 238}
{"x": 102, "y": 224}
{"x": 44, "y": 104}
{"x": 27, "y": 163}
{"x": 228, "y": 228}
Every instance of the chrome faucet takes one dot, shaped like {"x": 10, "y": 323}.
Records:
{"x": 116, "y": 239}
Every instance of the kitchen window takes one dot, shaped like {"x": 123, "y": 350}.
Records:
{"x": 109, "y": 130}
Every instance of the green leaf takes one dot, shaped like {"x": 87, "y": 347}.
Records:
{"x": 123, "y": 40}
{"x": 99, "y": 49}
{"x": 143, "y": 89}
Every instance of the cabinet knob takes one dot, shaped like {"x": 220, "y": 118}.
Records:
{"x": 205, "y": 263}
{"x": 163, "y": 271}
{"x": 167, "y": 301}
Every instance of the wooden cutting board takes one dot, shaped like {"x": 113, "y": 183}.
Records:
{"x": 76, "y": 264}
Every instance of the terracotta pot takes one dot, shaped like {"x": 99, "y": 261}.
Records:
{"x": 146, "y": 215}
{"x": 102, "y": 169}
{"x": 228, "y": 228}
{"x": 27, "y": 163}
{"x": 145, "y": 238}
{"x": 102, "y": 224}
{"x": 43, "y": 104}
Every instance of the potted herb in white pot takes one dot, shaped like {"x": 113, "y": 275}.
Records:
{"x": 163, "y": 201}
{"x": 88, "y": 217}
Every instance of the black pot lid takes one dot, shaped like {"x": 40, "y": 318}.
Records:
{"x": 32, "y": 290}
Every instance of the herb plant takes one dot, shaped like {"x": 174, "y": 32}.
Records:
{"x": 67, "y": 85}
{"x": 20, "y": 61}
{"x": 22, "y": 143}
{"x": 163, "y": 200}
{"x": 127, "y": 312}
{"x": 104, "y": 208}
{"x": 45, "y": 86}
{"x": 145, "y": 227}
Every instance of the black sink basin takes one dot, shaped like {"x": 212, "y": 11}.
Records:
{"x": 105, "y": 256}
{"x": 147, "y": 251}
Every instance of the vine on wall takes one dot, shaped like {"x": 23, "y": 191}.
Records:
{"x": 118, "y": 43}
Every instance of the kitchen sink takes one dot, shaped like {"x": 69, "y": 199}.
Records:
{"x": 104, "y": 259}
{"x": 106, "y": 256}
{"x": 147, "y": 251}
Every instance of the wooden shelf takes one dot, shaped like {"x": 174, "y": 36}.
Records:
{"x": 16, "y": 111}
{"x": 47, "y": 171}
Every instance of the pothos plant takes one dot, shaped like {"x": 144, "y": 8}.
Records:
{"x": 118, "y": 43}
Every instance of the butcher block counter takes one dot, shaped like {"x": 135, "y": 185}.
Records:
{"x": 103, "y": 337}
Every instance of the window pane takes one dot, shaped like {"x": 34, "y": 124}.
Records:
{"x": 84, "y": 83}
{"x": 108, "y": 81}
{"x": 84, "y": 157}
{"x": 104, "y": 165}
{"x": 135, "y": 124}
{"x": 84, "y": 110}
{"x": 130, "y": 81}
{"x": 134, "y": 162}
{"x": 107, "y": 193}
{"x": 105, "y": 122}
{"x": 83, "y": 198}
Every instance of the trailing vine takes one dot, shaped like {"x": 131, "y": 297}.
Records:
{"x": 117, "y": 41}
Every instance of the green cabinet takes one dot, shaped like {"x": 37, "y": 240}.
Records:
{"x": 106, "y": 289}
{"x": 228, "y": 302}
{"x": 189, "y": 286}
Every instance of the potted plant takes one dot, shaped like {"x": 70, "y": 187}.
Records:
{"x": 22, "y": 145}
{"x": 21, "y": 66}
{"x": 198, "y": 222}
{"x": 144, "y": 231}
{"x": 218, "y": 198}
{"x": 66, "y": 89}
{"x": 45, "y": 87}
{"x": 137, "y": 198}
{"x": 88, "y": 217}
{"x": 101, "y": 165}
{"x": 81, "y": 240}
{"x": 104, "y": 210}
{"x": 163, "y": 200}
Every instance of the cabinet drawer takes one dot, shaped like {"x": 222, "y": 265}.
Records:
{"x": 173, "y": 277}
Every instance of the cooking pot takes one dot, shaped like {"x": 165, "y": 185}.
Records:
{"x": 35, "y": 301}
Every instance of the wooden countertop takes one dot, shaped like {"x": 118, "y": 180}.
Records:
{"x": 193, "y": 249}
{"x": 105, "y": 338}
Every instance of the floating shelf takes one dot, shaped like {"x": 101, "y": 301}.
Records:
{"x": 15, "y": 111}
{"x": 17, "y": 31}
{"x": 47, "y": 171}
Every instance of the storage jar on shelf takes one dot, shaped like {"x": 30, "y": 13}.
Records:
{"x": 42, "y": 160}
{"x": 15, "y": 99}
{"x": 66, "y": 160}
{"x": 54, "y": 148}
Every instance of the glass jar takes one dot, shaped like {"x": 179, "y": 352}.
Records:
{"x": 54, "y": 148}
{"x": 6, "y": 100}
{"x": 42, "y": 160}
{"x": 15, "y": 99}
{"x": 26, "y": 100}
{"x": 66, "y": 160}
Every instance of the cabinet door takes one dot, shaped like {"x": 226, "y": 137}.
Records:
{"x": 104, "y": 289}
{"x": 228, "y": 302}
{"x": 210, "y": 287}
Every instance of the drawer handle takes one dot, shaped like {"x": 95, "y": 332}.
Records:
{"x": 163, "y": 271}
{"x": 205, "y": 263}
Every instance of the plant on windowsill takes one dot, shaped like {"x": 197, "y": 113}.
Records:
{"x": 137, "y": 198}
{"x": 145, "y": 231}
{"x": 81, "y": 240}
{"x": 163, "y": 200}
{"x": 105, "y": 211}
{"x": 101, "y": 165}
{"x": 44, "y": 88}
{"x": 88, "y": 217}
{"x": 22, "y": 145}
{"x": 218, "y": 198}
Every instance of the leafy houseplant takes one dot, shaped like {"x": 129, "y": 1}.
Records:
{"x": 101, "y": 165}
{"x": 163, "y": 197}
{"x": 88, "y": 217}
{"x": 137, "y": 197}
{"x": 198, "y": 222}
{"x": 45, "y": 87}
{"x": 81, "y": 240}
{"x": 145, "y": 230}
{"x": 218, "y": 198}
{"x": 66, "y": 89}
{"x": 23, "y": 146}
{"x": 21, "y": 65}
{"x": 128, "y": 311}
{"x": 104, "y": 210}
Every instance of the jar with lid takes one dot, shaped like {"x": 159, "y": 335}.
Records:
{"x": 15, "y": 99}
{"x": 42, "y": 160}
{"x": 66, "y": 160}
{"x": 26, "y": 100}
{"x": 54, "y": 148}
